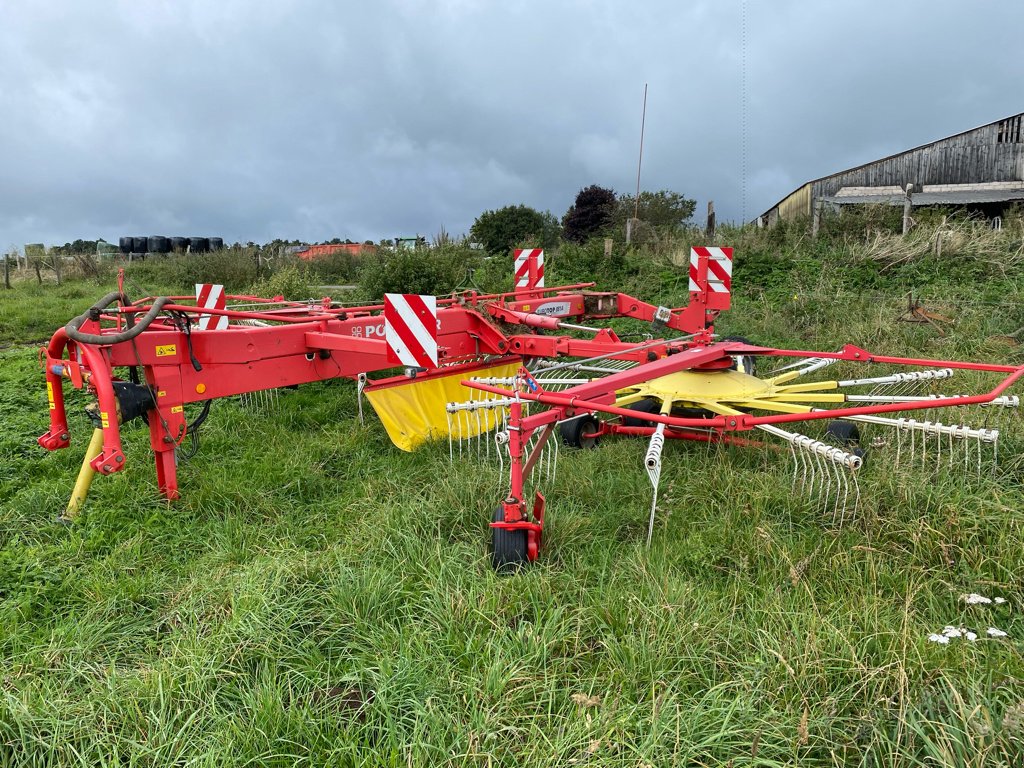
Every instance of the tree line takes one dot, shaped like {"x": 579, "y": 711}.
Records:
{"x": 596, "y": 212}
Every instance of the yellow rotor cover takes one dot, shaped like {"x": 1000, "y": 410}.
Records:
{"x": 726, "y": 391}
{"x": 413, "y": 412}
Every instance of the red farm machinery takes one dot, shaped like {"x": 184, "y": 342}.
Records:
{"x": 512, "y": 376}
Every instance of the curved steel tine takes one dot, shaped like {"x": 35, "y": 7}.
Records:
{"x": 807, "y": 473}
{"x": 812, "y": 463}
{"x": 479, "y": 435}
{"x": 451, "y": 445}
{"x": 839, "y": 493}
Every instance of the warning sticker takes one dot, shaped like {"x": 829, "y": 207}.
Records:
{"x": 166, "y": 350}
{"x": 49, "y": 395}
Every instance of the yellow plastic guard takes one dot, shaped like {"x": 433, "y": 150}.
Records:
{"x": 414, "y": 412}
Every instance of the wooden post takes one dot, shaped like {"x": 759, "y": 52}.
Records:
{"x": 710, "y": 233}
{"x": 816, "y": 219}
{"x": 629, "y": 231}
{"x": 39, "y": 277}
{"x": 7, "y": 271}
{"x": 907, "y": 203}
{"x": 607, "y": 247}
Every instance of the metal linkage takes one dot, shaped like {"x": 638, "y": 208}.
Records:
{"x": 553, "y": 385}
{"x": 822, "y": 471}
{"x": 805, "y": 366}
{"x": 899, "y": 378}
{"x": 470, "y": 424}
{"x": 925, "y": 435}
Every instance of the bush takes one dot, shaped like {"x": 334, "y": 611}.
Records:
{"x": 433, "y": 271}
{"x": 234, "y": 268}
{"x": 290, "y": 282}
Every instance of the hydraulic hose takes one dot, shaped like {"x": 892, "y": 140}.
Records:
{"x": 73, "y": 332}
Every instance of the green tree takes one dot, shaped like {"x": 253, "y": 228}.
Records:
{"x": 501, "y": 230}
{"x": 592, "y": 214}
{"x": 665, "y": 211}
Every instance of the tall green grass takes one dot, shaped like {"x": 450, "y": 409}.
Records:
{"x": 318, "y": 597}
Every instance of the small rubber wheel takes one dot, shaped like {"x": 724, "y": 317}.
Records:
{"x": 743, "y": 363}
{"x": 508, "y": 548}
{"x": 843, "y": 433}
{"x": 647, "y": 405}
{"x": 580, "y": 432}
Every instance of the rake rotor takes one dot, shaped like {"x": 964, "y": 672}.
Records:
{"x": 509, "y": 378}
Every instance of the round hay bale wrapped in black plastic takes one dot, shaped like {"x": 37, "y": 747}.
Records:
{"x": 178, "y": 244}
{"x": 140, "y": 245}
{"x": 198, "y": 244}
{"x": 158, "y": 244}
{"x": 124, "y": 245}
{"x": 216, "y": 243}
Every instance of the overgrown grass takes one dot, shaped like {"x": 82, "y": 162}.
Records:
{"x": 318, "y": 597}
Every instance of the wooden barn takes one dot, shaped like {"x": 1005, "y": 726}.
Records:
{"x": 982, "y": 169}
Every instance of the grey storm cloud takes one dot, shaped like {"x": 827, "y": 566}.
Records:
{"x": 313, "y": 119}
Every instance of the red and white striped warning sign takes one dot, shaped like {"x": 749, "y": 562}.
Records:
{"x": 410, "y": 329}
{"x": 210, "y": 296}
{"x": 529, "y": 268}
{"x": 719, "y": 268}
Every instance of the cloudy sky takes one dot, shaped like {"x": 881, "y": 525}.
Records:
{"x": 313, "y": 119}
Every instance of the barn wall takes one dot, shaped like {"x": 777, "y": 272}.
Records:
{"x": 797, "y": 204}
{"x": 973, "y": 157}
{"x": 993, "y": 152}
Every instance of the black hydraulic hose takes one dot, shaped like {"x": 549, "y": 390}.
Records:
{"x": 73, "y": 332}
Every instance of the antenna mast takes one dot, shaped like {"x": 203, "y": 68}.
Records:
{"x": 639, "y": 162}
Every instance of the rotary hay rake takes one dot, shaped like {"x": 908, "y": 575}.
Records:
{"x": 508, "y": 377}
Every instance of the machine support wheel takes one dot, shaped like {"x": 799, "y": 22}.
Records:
{"x": 508, "y": 548}
{"x": 846, "y": 436}
{"x": 743, "y": 363}
{"x": 843, "y": 433}
{"x": 580, "y": 431}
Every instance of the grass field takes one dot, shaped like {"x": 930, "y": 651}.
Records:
{"x": 318, "y": 597}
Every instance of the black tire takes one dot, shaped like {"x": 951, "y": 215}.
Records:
{"x": 508, "y": 548}
{"x": 579, "y": 432}
{"x": 745, "y": 363}
{"x": 647, "y": 405}
{"x": 843, "y": 433}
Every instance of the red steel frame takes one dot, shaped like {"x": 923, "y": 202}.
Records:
{"x": 296, "y": 343}
{"x": 300, "y": 343}
{"x": 598, "y": 396}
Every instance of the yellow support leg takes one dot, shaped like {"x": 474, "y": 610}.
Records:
{"x": 85, "y": 475}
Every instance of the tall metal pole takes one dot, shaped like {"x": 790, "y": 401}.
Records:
{"x": 639, "y": 163}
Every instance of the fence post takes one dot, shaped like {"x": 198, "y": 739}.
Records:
{"x": 7, "y": 271}
{"x": 710, "y": 233}
{"x": 816, "y": 219}
{"x": 907, "y": 203}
